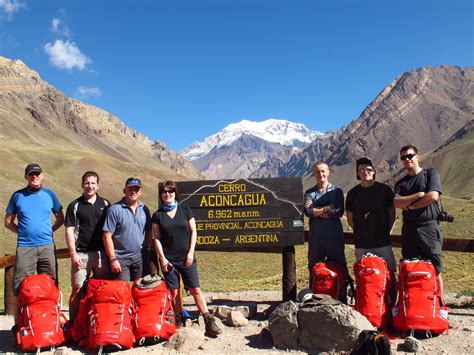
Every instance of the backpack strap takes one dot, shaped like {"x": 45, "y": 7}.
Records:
{"x": 76, "y": 221}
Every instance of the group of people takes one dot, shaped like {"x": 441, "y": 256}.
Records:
{"x": 370, "y": 211}
{"x": 108, "y": 241}
{"x": 113, "y": 241}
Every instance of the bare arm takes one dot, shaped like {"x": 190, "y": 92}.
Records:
{"x": 427, "y": 199}
{"x": 350, "y": 219}
{"x": 391, "y": 217}
{"x": 404, "y": 201}
{"x": 59, "y": 220}
{"x": 164, "y": 263}
{"x": 110, "y": 250}
{"x": 192, "y": 242}
{"x": 148, "y": 238}
{"x": 71, "y": 245}
{"x": 10, "y": 222}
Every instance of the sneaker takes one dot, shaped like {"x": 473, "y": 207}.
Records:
{"x": 212, "y": 329}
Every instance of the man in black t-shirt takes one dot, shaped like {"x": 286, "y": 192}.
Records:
{"x": 84, "y": 220}
{"x": 417, "y": 194}
{"x": 370, "y": 214}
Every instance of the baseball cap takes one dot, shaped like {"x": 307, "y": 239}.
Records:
{"x": 133, "y": 182}
{"x": 365, "y": 161}
{"x": 33, "y": 168}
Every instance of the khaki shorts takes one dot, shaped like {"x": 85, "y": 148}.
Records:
{"x": 94, "y": 263}
{"x": 34, "y": 260}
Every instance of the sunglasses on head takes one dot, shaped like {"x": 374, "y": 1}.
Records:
{"x": 169, "y": 192}
{"x": 366, "y": 170}
{"x": 407, "y": 157}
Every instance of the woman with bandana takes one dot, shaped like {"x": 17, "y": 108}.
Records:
{"x": 174, "y": 237}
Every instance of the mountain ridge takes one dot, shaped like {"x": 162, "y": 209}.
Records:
{"x": 272, "y": 130}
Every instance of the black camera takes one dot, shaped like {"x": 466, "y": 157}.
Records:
{"x": 445, "y": 217}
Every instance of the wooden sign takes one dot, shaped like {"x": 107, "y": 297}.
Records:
{"x": 245, "y": 213}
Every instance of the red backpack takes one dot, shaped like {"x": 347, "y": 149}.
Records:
{"x": 154, "y": 316}
{"x": 41, "y": 323}
{"x": 81, "y": 326}
{"x": 419, "y": 302}
{"x": 111, "y": 316}
{"x": 330, "y": 278}
{"x": 373, "y": 289}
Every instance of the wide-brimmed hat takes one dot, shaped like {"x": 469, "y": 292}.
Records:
{"x": 149, "y": 281}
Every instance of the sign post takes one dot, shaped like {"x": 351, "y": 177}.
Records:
{"x": 259, "y": 215}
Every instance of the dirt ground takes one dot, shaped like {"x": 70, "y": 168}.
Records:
{"x": 248, "y": 340}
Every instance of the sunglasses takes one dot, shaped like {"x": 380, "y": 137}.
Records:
{"x": 169, "y": 192}
{"x": 407, "y": 157}
{"x": 34, "y": 173}
{"x": 366, "y": 170}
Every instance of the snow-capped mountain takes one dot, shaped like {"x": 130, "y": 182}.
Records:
{"x": 272, "y": 130}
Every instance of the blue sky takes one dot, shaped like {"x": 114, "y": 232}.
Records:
{"x": 179, "y": 71}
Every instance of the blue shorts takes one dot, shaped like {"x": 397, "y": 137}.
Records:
{"x": 188, "y": 274}
{"x": 320, "y": 249}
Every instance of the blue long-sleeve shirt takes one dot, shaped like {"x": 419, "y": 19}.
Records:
{"x": 325, "y": 227}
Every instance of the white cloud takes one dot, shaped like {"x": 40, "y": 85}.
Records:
{"x": 66, "y": 55}
{"x": 55, "y": 24}
{"x": 9, "y": 7}
{"x": 83, "y": 92}
{"x": 58, "y": 27}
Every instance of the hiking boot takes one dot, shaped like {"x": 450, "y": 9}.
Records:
{"x": 179, "y": 320}
{"x": 212, "y": 329}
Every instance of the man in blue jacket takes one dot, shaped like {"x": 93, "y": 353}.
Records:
{"x": 324, "y": 205}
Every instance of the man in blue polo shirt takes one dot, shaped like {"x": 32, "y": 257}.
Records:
{"x": 127, "y": 229}
{"x": 32, "y": 207}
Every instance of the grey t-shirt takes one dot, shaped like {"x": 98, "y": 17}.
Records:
{"x": 425, "y": 181}
{"x": 127, "y": 228}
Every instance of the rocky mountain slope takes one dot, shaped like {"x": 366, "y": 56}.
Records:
{"x": 39, "y": 123}
{"x": 454, "y": 161}
{"x": 239, "y": 149}
{"x": 425, "y": 107}
{"x": 241, "y": 158}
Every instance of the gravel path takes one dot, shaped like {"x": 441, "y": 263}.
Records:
{"x": 247, "y": 340}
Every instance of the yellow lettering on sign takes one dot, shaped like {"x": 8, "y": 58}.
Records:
{"x": 232, "y": 188}
{"x": 222, "y": 225}
{"x": 246, "y": 214}
{"x": 256, "y": 238}
{"x": 272, "y": 223}
{"x": 257, "y": 199}
{"x": 208, "y": 239}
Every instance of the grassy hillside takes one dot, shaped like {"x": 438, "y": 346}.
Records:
{"x": 63, "y": 175}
